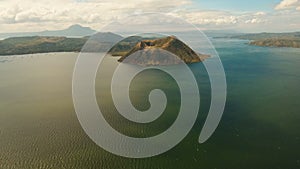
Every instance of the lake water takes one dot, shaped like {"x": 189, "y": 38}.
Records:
{"x": 259, "y": 128}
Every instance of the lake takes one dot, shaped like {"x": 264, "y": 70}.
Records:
{"x": 259, "y": 128}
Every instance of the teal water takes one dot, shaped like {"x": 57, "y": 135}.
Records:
{"x": 259, "y": 128}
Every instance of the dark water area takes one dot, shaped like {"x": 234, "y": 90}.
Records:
{"x": 259, "y": 128}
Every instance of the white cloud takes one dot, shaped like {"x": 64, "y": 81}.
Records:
{"x": 222, "y": 19}
{"x": 254, "y": 21}
{"x": 260, "y": 13}
{"x": 32, "y": 15}
{"x": 288, "y": 4}
{"x": 244, "y": 21}
{"x": 66, "y": 12}
{"x": 209, "y": 17}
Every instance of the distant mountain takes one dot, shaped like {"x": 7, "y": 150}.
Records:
{"x": 153, "y": 52}
{"x": 72, "y": 31}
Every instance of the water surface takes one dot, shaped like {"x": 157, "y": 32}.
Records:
{"x": 259, "y": 129}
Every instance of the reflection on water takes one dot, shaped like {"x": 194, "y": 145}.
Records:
{"x": 259, "y": 129}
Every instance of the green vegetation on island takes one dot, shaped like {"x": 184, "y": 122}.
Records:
{"x": 153, "y": 52}
{"x": 125, "y": 45}
{"x": 40, "y": 44}
{"x": 293, "y": 43}
{"x": 291, "y": 39}
{"x": 100, "y": 42}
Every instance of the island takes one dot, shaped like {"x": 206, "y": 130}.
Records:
{"x": 157, "y": 51}
{"x": 291, "y": 39}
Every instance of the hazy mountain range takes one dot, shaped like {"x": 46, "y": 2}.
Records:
{"x": 81, "y": 31}
{"x": 72, "y": 31}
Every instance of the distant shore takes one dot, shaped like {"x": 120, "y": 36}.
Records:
{"x": 277, "y": 43}
{"x": 291, "y": 40}
{"x": 101, "y": 42}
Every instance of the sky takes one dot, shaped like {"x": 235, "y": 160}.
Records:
{"x": 237, "y": 15}
{"x": 238, "y": 5}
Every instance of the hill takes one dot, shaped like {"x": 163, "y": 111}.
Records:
{"x": 125, "y": 45}
{"x": 153, "y": 52}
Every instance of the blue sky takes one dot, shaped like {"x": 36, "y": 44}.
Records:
{"x": 237, "y": 5}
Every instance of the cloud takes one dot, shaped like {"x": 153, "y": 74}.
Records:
{"x": 260, "y": 13}
{"x": 222, "y": 19}
{"x": 255, "y": 21}
{"x": 210, "y": 17}
{"x": 288, "y": 4}
{"x": 32, "y": 15}
{"x": 66, "y": 12}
